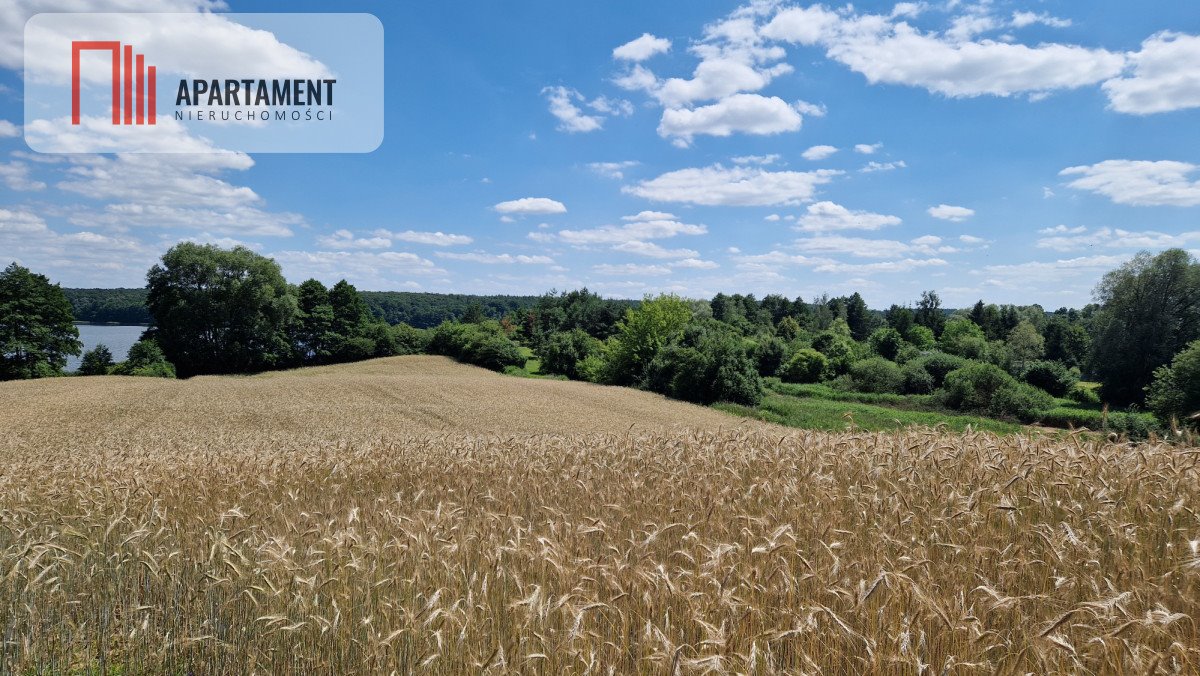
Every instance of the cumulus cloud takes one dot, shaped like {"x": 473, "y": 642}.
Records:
{"x": 817, "y": 153}
{"x": 438, "y": 238}
{"x": 951, "y": 213}
{"x": 737, "y": 186}
{"x": 863, "y": 247}
{"x": 872, "y": 167}
{"x": 1066, "y": 274}
{"x": 867, "y": 148}
{"x": 531, "y": 205}
{"x": 344, "y": 239}
{"x": 739, "y": 113}
{"x": 652, "y": 250}
{"x": 642, "y": 48}
{"x": 1139, "y": 182}
{"x": 1166, "y": 76}
{"x": 365, "y": 269}
{"x": 631, "y": 269}
{"x": 829, "y": 216}
{"x": 645, "y": 226}
{"x": 9, "y": 130}
{"x": 15, "y": 175}
{"x": 612, "y": 169}
{"x": 496, "y": 259}
{"x": 1079, "y": 238}
{"x": 756, "y": 159}
{"x": 1023, "y": 19}
{"x": 571, "y": 117}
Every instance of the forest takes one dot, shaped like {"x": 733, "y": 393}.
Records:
{"x": 1128, "y": 363}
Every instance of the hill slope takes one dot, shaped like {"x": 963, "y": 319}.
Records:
{"x": 364, "y": 400}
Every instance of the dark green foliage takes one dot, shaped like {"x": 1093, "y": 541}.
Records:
{"x": 1150, "y": 312}
{"x": 1086, "y": 396}
{"x": 917, "y": 380}
{"x": 145, "y": 358}
{"x": 36, "y": 329}
{"x": 858, "y": 317}
{"x": 645, "y": 330}
{"x": 96, "y": 361}
{"x": 427, "y": 310}
{"x": 886, "y": 342}
{"x": 1174, "y": 395}
{"x": 570, "y": 310}
{"x": 479, "y": 344}
{"x": 314, "y": 337}
{"x": 109, "y": 306}
{"x": 805, "y": 366}
{"x": 1066, "y": 342}
{"x": 987, "y": 388}
{"x": 1050, "y": 376}
{"x": 706, "y": 364}
{"x": 929, "y": 312}
{"x": 563, "y": 351}
{"x": 963, "y": 338}
{"x": 769, "y": 355}
{"x": 900, "y": 318}
{"x": 877, "y": 375}
{"x": 938, "y": 365}
{"x": 220, "y": 311}
{"x": 410, "y": 340}
{"x": 920, "y": 337}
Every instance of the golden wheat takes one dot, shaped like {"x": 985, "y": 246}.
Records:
{"x": 414, "y": 516}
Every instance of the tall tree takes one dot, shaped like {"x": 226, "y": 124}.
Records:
{"x": 36, "y": 327}
{"x": 858, "y": 317}
{"x": 929, "y": 312}
{"x": 315, "y": 340}
{"x": 1150, "y": 310}
{"x": 220, "y": 310}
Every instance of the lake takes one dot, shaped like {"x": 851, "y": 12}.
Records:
{"x": 118, "y": 339}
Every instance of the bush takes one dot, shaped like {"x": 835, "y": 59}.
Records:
{"x": 481, "y": 344}
{"x": 886, "y": 342}
{"x": 564, "y": 350}
{"x": 986, "y": 388}
{"x": 877, "y": 375}
{"x": 916, "y": 379}
{"x": 96, "y": 361}
{"x": 769, "y": 355}
{"x": 920, "y": 336}
{"x": 410, "y": 340}
{"x": 938, "y": 364}
{"x": 145, "y": 359}
{"x": 1174, "y": 394}
{"x": 1050, "y": 376}
{"x": 705, "y": 365}
{"x": 806, "y": 366}
{"x": 1084, "y": 395}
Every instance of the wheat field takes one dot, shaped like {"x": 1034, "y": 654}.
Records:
{"x": 411, "y": 515}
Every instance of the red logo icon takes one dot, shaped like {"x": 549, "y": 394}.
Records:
{"x": 143, "y": 74}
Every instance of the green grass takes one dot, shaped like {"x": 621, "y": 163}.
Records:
{"x": 826, "y": 414}
{"x": 916, "y": 402}
{"x": 532, "y": 368}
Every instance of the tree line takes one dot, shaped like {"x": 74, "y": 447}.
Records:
{"x": 214, "y": 310}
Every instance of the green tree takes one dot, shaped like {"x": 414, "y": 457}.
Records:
{"x": 37, "y": 332}
{"x": 220, "y": 310}
{"x": 886, "y": 343}
{"x": 315, "y": 339}
{"x": 563, "y": 350}
{"x": 858, "y": 317}
{"x": 964, "y": 338}
{"x": 1066, "y": 341}
{"x": 644, "y": 331}
{"x": 1150, "y": 310}
{"x": 1174, "y": 395}
{"x": 96, "y": 361}
{"x": 1025, "y": 344}
{"x": 806, "y": 366}
{"x": 929, "y": 312}
{"x": 145, "y": 358}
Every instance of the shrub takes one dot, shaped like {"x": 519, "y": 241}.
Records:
{"x": 1174, "y": 393}
{"x": 806, "y": 366}
{"x": 705, "y": 366}
{"x": 886, "y": 342}
{"x": 480, "y": 344}
{"x": 1084, "y": 395}
{"x": 145, "y": 359}
{"x": 410, "y": 340}
{"x": 877, "y": 375}
{"x": 920, "y": 336}
{"x": 938, "y": 364}
{"x": 840, "y": 351}
{"x": 563, "y": 350}
{"x": 907, "y": 354}
{"x": 1050, "y": 376}
{"x": 769, "y": 355}
{"x": 96, "y": 361}
{"x": 987, "y": 388}
{"x": 916, "y": 379}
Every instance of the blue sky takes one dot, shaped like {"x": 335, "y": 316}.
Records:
{"x": 1012, "y": 151}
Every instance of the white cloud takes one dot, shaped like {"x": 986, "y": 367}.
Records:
{"x": 953, "y": 63}
{"x": 612, "y": 169}
{"x": 607, "y": 106}
{"x": 1077, "y": 239}
{"x": 652, "y": 250}
{"x": 1139, "y": 183}
{"x": 867, "y": 148}
{"x": 756, "y": 159}
{"x": 737, "y": 186}
{"x": 1058, "y": 229}
{"x": 365, "y": 269}
{"x": 695, "y": 264}
{"x": 771, "y": 218}
{"x": 9, "y": 130}
{"x": 531, "y": 205}
{"x": 642, "y": 48}
{"x": 972, "y": 240}
{"x": 631, "y": 269}
{"x": 744, "y": 113}
{"x": 79, "y": 258}
{"x": 1023, "y": 19}
{"x": 828, "y": 216}
{"x": 496, "y": 259}
{"x": 817, "y": 153}
{"x": 951, "y": 213}
{"x": 905, "y": 265}
{"x": 644, "y": 228}
{"x": 872, "y": 167}
{"x": 438, "y": 238}
{"x": 871, "y": 248}
{"x": 570, "y": 117}
{"x": 650, "y": 216}
{"x": 15, "y": 175}
{"x": 344, "y": 239}
{"x": 1166, "y": 76}
{"x": 1066, "y": 274}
